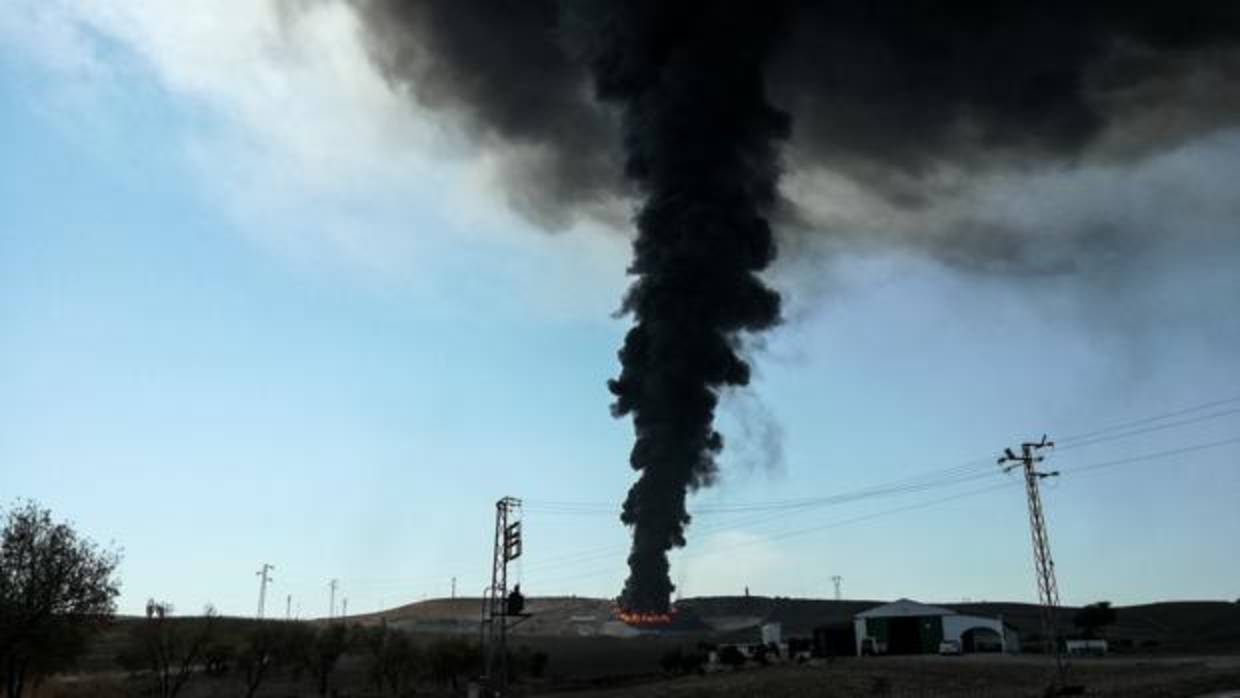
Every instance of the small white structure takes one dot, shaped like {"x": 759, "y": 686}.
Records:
{"x": 1093, "y": 648}
{"x": 772, "y": 633}
{"x": 909, "y": 627}
{"x": 585, "y": 626}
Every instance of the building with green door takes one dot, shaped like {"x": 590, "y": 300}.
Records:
{"x": 909, "y": 627}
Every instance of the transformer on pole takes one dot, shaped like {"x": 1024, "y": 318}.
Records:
{"x": 1044, "y": 565}
{"x": 498, "y": 603}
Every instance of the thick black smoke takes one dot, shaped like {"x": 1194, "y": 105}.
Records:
{"x": 682, "y": 104}
{"x": 889, "y": 94}
{"x": 500, "y": 69}
{"x": 700, "y": 140}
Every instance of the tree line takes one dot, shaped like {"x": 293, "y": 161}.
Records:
{"x": 58, "y": 593}
{"x": 163, "y": 654}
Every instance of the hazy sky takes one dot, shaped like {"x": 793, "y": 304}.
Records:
{"x": 255, "y": 307}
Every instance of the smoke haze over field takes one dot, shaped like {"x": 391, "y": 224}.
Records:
{"x": 898, "y": 113}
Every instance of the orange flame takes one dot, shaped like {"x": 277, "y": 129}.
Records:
{"x": 644, "y": 617}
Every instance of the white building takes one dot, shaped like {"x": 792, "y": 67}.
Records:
{"x": 909, "y": 627}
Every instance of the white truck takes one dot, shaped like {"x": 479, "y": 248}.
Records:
{"x": 949, "y": 647}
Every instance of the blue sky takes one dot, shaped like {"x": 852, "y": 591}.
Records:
{"x": 256, "y": 308}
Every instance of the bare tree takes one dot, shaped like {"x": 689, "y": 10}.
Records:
{"x": 266, "y": 647}
{"x": 394, "y": 659}
{"x": 319, "y": 651}
{"x": 56, "y": 589}
{"x": 171, "y": 649}
{"x": 451, "y": 658}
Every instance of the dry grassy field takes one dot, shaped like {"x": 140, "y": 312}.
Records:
{"x": 614, "y": 668}
{"x": 1167, "y": 650}
{"x": 948, "y": 677}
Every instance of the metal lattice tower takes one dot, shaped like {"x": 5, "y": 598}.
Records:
{"x": 1044, "y": 565}
{"x": 836, "y": 579}
{"x": 495, "y": 608}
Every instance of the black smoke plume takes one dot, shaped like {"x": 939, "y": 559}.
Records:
{"x": 700, "y": 140}
{"x": 673, "y": 104}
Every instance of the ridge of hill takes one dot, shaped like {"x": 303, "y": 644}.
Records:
{"x": 1162, "y": 624}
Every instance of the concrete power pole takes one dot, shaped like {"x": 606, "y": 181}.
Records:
{"x": 454, "y": 587}
{"x": 344, "y": 607}
{"x": 288, "y": 607}
{"x": 331, "y": 603}
{"x": 265, "y": 575}
{"x": 1044, "y": 566}
{"x": 836, "y": 581}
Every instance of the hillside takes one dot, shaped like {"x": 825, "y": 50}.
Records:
{"x": 1166, "y": 625}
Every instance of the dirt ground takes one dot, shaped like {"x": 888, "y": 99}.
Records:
{"x": 950, "y": 677}
{"x": 890, "y": 677}
{"x": 613, "y": 667}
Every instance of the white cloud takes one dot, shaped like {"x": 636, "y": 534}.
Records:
{"x": 299, "y": 140}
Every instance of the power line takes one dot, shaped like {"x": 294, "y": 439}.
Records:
{"x": 936, "y": 478}
{"x": 814, "y": 529}
{"x": 598, "y": 553}
{"x": 1044, "y": 565}
{"x": 888, "y": 512}
{"x": 1075, "y": 441}
{"x": 777, "y": 509}
{"x": 1150, "y": 456}
{"x": 890, "y": 489}
{"x": 965, "y": 471}
{"x": 1149, "y": 429}
{"x": 1146, "y": 420}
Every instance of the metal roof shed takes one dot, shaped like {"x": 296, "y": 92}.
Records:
{"x": 908, "y": 627}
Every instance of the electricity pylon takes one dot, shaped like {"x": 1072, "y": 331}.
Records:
{"x": 498, "y": 604}
{"x": 1044, "y": 566}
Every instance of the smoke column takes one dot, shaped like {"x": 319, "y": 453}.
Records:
{"x": 700, "y": 139}
{"x": 912, "y": 101}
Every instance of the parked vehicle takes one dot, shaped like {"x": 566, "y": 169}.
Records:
{"x": 949, "y": 647}
{"x": 1089, "y": 648}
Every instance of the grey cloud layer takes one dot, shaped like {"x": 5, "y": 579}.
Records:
{"x": 912, "y": 104}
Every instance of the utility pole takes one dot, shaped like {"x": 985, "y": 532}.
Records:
{"x": 344, "y": 607}
{"x": 1044, "y": 566}
{"x": 331, "y": 604}
{"x": 288, "y": 607}
{"x": 499, "y": 605}
{"x": 454, "y": 587}
{"x": 264, "y": 574}
{"x": 836, "y": 581}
